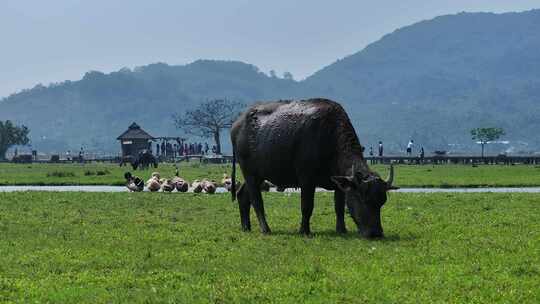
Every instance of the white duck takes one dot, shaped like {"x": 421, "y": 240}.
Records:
{"x": 197, "y": 186}
{"x": 133, "y": 183}
{"x": 209, "y": 186}
{"x": 180, "y": 184}
{"x": 167, "y": 185}
{"x": 154, "y": 184}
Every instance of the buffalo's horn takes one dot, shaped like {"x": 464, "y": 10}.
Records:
{"x": 390, "y": 179}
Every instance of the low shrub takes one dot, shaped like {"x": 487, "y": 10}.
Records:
{"x": 98, "y": 172}
{"x": 103, "y": 172}
{"x": 60, "y": 174}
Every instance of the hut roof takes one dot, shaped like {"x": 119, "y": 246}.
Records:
{"x": 135, "y": 132}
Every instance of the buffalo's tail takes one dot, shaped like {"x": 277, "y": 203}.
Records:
{"x": 233, "y": 177}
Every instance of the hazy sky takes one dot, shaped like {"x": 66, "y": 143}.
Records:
{"x": 51, "y": 41}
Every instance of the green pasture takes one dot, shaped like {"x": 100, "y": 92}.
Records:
{"x": 187, "y": 248}
{"x": 100, "y": 173}
{"x": 406, "y": 175}
{"x": 451, "y": 176}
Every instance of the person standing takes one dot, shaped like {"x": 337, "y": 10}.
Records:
{"x": 422, "y": 154}
{"x": 81, "y": 156}
{"x": 409, "y": 147}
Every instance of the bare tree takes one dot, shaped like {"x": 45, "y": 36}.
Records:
{"x": 209, "y": 118}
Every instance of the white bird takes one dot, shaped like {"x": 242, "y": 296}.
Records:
{"x": 134, "y": 183}
{"x": 154, "y": 184}
{"x": 209, "y": 186}
{"x": 180, "y": 184}
{"x": 197, "y": 186}
{"x": 167, "y": 185}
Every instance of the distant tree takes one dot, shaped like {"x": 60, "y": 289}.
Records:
{"x": 11, "y": 135}
{"x": 209, "y": 118}
{"x": 273, "y": 74}
{"x": 288, "y": 76}
{"x": 485, "y": 135}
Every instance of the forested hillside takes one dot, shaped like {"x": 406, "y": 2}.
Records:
{"x": 437, "y": 79}
{"x": 94, "y": 110}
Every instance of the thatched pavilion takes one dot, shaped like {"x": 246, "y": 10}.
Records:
{"x": 134, "y": 140}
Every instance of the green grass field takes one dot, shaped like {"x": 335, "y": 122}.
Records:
{"x": 187, "y": 248}
{"x": 98, "y": 174}
{"x": 406, "y": 175}
{"x": 464, "y": 176}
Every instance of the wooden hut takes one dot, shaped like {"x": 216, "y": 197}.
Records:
{"x": 134, "y": 140}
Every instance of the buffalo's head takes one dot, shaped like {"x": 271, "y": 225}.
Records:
{"x": 364, "y": 197}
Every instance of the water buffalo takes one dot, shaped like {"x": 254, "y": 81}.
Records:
{"x": 128, "y": 159}
{"x": 142, "y": 161}
{"x": 306, "y": 144}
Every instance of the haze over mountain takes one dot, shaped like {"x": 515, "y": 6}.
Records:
{"x": 432, "y": 81}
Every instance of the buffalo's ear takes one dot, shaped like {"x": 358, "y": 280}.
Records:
{"x": 344, "y": 183}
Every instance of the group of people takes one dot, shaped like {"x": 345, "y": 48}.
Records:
{"x": 381, "y": 150}
{"x": 166, "y": 149}
{"x": 80, "y": 158}
{"x": 410, "y": 145}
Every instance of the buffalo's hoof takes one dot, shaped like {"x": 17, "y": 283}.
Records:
{"x": 341, "y": 230}
{"x": 266, "y": 231}
{"x": 373, "y": 235}
{"x": 305, "y": 231}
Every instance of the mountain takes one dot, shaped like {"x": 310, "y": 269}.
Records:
{"x": 93, "y": 111}
{"x": 432, "y": 81}
{"x": 437, "y": 79}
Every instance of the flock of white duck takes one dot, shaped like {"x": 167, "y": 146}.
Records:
{"x": 157, "y": 183}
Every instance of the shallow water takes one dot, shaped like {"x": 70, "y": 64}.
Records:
{"x": 223, "y": 190}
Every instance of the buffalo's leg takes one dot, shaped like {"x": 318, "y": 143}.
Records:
{"x": 244, "y": 206}
{"x": 253, "y": 188}
{"x": 339, "y": 207}
{"x": 307, "y": 195}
